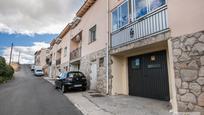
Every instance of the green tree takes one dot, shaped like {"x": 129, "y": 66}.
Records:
{"x": 6, "y": 71}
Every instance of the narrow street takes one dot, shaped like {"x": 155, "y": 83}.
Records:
{"x": 29, "y": 95}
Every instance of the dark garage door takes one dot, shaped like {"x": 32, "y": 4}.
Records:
{"x": 148, "y": 76}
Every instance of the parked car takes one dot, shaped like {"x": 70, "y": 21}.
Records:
{"x": 71, "y": 80}
{"x": 38, "y": 72}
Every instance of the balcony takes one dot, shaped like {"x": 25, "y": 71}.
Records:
{"x": 58, "y": 61}
{"x": 75, "y": 54}
{"x": 149, "y": 25}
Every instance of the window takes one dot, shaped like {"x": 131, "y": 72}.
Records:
{"x": 101, "y": 62}
{"x": 115, "y": 20}
{"x": 142, "y": 7}
{"x": 123, "y": 15}
{"x": 75, "y": 74}
{"x": 154, "y": 4}
{"x": 135, "y": 63}
{"x": 65, "y": 51}
{"x": 92, "y": 33}
{"x": 120, "y": 16}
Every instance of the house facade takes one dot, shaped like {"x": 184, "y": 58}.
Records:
{"x": 156, "y": 51}
{"x": 40, "y": 59}
{"x": 82, "y": 45}
{"x": 146, "y": 48}
{"x": 59, "y": 54}
{"x": 88, "y": 43}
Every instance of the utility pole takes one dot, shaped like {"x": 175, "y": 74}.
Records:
{"x": 11, "y": 53}
{"x": 19, "y": 57}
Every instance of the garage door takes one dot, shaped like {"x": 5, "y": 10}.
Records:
{"x": 148, "y": 76}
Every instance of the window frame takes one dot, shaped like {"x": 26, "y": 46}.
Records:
{"x": 91, "y": 40}
{"x": 135, "y": 62}
{"x": 148, "y": 3}
{"x": 132, "y": 16}
{"x": 112, "y": 20}
{"x": 118, "y": 12}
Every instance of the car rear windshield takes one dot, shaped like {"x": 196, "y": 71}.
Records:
{"x": 39, "y": 70}
{"x": 76, "y": 74}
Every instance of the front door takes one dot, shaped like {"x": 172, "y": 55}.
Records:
{"x": 148, "y": 76}
{"x": 93, "y": 76}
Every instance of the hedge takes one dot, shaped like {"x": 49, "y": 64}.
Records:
{"x": 6, "y": 71}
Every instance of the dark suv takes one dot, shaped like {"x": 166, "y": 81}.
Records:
{"x": 71, "y": 80}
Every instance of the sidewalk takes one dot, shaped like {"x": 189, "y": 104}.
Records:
{"x": 92, "y": 103}
{"x": 81, "y": 102}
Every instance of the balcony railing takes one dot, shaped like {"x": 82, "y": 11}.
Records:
{"x": 75, "y": 54}
{"x": 152, "y": 24}
{"x": 58, "y": 61}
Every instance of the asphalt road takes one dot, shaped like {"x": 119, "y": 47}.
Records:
{"x": 29, "y": 95}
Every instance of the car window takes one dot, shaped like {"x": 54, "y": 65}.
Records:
{"x": 39, "y": 71}
{"x": 75, "y": 74}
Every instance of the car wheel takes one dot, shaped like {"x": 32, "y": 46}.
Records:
{"x": 63, "y": 89}
{"x": 84, "y": 89}
{"x": 56, "y": 87}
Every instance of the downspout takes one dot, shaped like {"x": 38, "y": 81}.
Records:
{"x": 107, "y": 51}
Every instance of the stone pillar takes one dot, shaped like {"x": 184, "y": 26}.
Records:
{"x": 188, "y": 57}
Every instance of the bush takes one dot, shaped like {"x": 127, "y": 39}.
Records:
{"x": 6, "y": 71}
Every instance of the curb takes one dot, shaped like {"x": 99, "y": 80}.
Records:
{"x": 87, "y": 109}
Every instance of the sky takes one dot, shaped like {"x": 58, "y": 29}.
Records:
{"x": 31, "y": 25}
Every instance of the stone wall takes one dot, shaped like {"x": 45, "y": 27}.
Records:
{"x": 188, "y": 54}
{"x": 85, "y": 67}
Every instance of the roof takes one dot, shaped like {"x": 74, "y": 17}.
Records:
{"x": 65, "y": 30}
{"x": 37, "y": 52}
{"x": 85, "y": 7}
{"x": 52, "y": 42}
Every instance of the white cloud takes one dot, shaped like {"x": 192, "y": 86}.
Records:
{"x": 27, "y": 52}
{"x": 36, "y": 16}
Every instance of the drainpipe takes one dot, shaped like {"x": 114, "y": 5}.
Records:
{"x": 107, "y": 51}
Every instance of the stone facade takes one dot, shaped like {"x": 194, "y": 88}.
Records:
{"x": 85, "y": 67}
{"x": 188, "y": 55}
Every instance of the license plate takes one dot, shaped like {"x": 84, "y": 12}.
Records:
{"x": 78, "y": 85}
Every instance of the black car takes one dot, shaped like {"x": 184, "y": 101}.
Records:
{"x": 71, "y": 80}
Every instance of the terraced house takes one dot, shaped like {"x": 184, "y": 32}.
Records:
{"x": 146, "y": 48}
{"x": 59, "y": 54}
{"x": 157, "y": 49}
{"x": 40, "y": 59}
{"x": 82, "y": 45}
{"x": 88, "y": 43}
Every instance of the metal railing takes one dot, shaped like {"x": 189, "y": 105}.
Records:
{"x": 154, "y": 23}
{"x": 75, "y": 53}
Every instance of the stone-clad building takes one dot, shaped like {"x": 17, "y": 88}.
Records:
{"x": 157, "y": 49}
{"x": 146, "y": 48}
{"x": 188, "y": 60}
